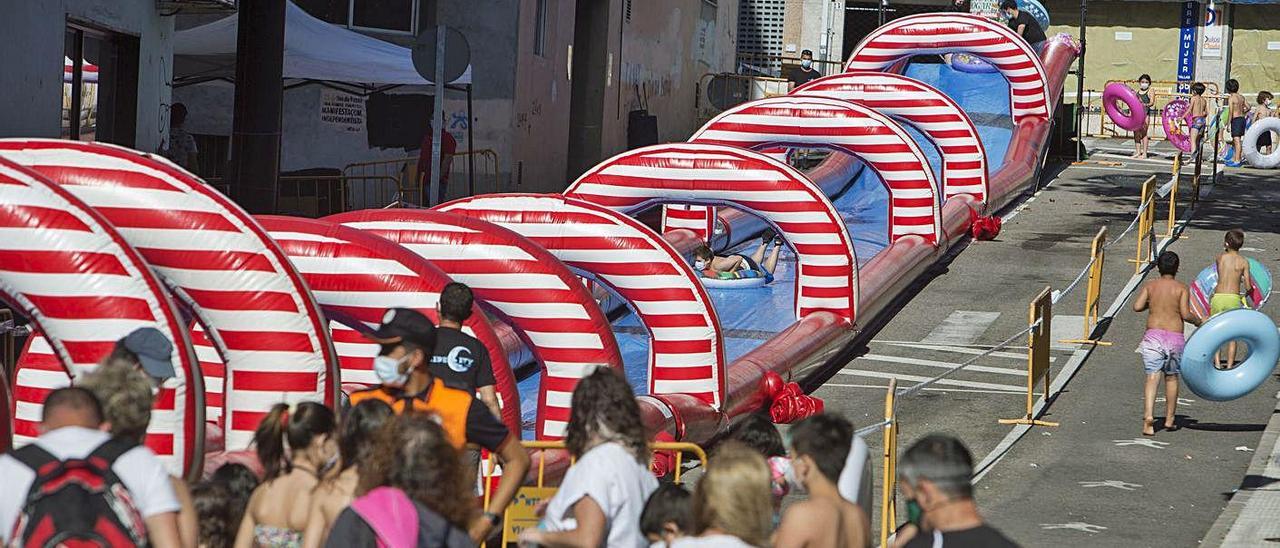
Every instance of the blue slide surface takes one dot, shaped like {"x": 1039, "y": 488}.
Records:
{"x": 751, "y": 316}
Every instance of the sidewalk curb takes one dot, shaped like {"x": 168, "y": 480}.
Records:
{"x": 1267, "y": 447}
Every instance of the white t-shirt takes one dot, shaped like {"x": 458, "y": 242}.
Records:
{"x": 138, "y": 469}
{"x": 616, "y": 482}
{"x": 710, "y": 541}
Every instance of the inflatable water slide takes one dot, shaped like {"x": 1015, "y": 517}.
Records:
{"x": 101, "y": 240}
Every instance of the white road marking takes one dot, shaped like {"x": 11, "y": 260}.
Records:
{"x": 959, "y": 350}
{"x": 948, "y": 382}
{"x": 881, "y": 388}
{"x": 970, "y": 345}
{"x": 944, "y": 365}
{"x": 961, "y": 327}
{"x": 1141, "y": 442}
{"x": 1075, "y": 526}
{"x": 1122, "y": 485}
{"x": 1109, "y": 168}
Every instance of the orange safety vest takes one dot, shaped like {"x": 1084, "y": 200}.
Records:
{"x": 449, "y": 405}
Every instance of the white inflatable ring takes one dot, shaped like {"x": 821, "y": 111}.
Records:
{"x": 733, "y": 283}
{"x": 1256, "y": 329}
{"x": 1137, "y": 116}
{"x": 1250, "y": 144}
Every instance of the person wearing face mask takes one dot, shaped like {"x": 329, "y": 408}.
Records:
{"x": 805, "y": 72}
{"x": 1140, "y": 138}
{"x": 819, "y": 448}
{"x": 935, "y": 476}
{"x": 1023, "y": 23}
{"x": 407, "y": 338}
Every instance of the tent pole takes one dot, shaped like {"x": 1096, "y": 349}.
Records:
{"x": 437, "y": 118}
{"x": 259, "y": 96}
{"x": 471, "y": 147}
{"x": 1084, "y": 8}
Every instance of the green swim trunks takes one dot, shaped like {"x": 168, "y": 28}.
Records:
{"x": 1222, "y": 302}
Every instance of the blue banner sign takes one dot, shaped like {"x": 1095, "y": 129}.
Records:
{"x": 1187, "y": 43}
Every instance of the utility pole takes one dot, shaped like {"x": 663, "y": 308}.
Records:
{"x": 255, "y": 126}
{"x": 1080, "y": 102}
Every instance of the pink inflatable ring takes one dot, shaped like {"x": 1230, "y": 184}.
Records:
{"x": 1116, "y": 92}
{"x": 1179, "y": 134}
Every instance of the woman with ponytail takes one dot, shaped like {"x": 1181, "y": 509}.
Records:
{"x": 294, "y": 446}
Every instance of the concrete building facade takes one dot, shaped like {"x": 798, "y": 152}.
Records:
{"x": 121, "y": 51}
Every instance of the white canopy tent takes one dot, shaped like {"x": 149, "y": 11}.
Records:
{"x": 313, "y": 50}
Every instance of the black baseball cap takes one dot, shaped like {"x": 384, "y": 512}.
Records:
{"x": 400, "y": 325}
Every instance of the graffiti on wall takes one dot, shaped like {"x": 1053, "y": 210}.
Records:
{"x": 525, "y": 118}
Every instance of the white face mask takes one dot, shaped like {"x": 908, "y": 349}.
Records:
{"x": 1144, "y": 85}
{"x": 1270, "y": 102}
{"x": 388, "y": 371}
{"x": 699, "y": 264}
{"x": 806, "y": 63}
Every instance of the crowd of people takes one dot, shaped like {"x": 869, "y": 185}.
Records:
{"x": 397, "y": 466}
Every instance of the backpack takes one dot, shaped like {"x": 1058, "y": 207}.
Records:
{"x": 78, "y": 502}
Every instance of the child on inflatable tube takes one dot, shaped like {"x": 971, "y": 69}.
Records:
{"x": 739, "y": 266}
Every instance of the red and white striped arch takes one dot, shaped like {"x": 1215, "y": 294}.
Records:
{"x": 710, "y": 174}
{"x": 697, "y": 219}
{"x": 915, "y": 199}
{"x": 993, "y": 42}
{"x": 686, "y": 351}
{"x": 214, "y": 258}
{"x": 356, "y": 276}
{"x": 74, "y": 275}
{"x": 964, "y": 161}
{"x": 524, "y": 284}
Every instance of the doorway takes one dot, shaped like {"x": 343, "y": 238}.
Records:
{"x": 99, "y": 86}
{"x": 589, "y": 79}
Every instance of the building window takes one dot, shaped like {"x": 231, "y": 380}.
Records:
{"x": 393, "y": 16}
{"x": 540, "y": 28}
{"x": 99, "y": 86}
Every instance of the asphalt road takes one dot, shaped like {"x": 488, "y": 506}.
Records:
{"x": 981, "y": 298}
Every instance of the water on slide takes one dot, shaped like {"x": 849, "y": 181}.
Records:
{"x": 751, "y": 316}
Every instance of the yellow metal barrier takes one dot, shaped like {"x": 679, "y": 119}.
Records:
{"x": 889, "y": 486}
{"x": 1146, "y": 222}
{"x": 522, "y": 512}
{"x": 1093, "y": 289}
{"x": 1039, "y": 314}
{"x": 405, "y": 172}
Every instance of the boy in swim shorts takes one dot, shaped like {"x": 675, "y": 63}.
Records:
{"x": 740, "y": 266}
{"x": 1166, "y": 301}
{"x": 1238, "y": 108}
{"x": 1233, "y": 282}
{"x": 1199, "y": 113}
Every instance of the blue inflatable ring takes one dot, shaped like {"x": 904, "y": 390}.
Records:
{"x": 733, "y": 283}
{"x": 1251, "y": 326}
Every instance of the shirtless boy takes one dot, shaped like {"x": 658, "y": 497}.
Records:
{"x": 1233, "y": 282}
{"x": 1239, "y": 108}
{"x": 1167, "y": 299}
{"x": 819, "y": 447}
{"x": 1199, "y": 114}
{"x": 739, "y": 266}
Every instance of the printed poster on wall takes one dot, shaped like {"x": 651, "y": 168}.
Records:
{"x": 1211, "y": 47}
{"x": 343, "y": 111}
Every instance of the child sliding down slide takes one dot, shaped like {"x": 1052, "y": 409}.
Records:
{"x": 737, "y": 266}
